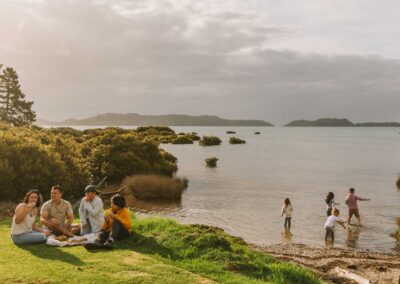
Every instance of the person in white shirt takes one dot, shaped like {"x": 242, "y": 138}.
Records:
{"x": 91, "y": 212}
{"x": 330, "y": 225}
{"x": 287, "y": 210}
{"x": 24, "y": 229}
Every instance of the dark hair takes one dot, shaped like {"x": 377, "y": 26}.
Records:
{"x": 351, "y": 190}
{"x": 58, "y": 188}
{"x": 329, "y": 197}
{"x": 118, "y": 200}
{"x": 287, "y": 201}
{"x": 40, "y": 197}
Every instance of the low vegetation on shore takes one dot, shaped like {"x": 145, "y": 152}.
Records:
{"x": 159, "y": 251}
{"x": 66, "y": 156}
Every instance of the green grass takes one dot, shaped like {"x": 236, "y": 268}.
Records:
{"x": 159, "y": 251}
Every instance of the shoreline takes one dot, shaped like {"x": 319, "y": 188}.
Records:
{"x": 378, "y": 267}
{"x": 326, "y": 262}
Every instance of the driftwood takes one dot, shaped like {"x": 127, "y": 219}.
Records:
{"x": 109, "y": 194}
{"x": 352, "y": 276}
{"x": 101, "y": 182}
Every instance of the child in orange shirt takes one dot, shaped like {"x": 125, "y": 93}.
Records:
{"x": 117, "y": 225}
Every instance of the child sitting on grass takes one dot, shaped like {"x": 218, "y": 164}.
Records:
{"x": 330, "y": 225}
{"x": 117, "y": 225}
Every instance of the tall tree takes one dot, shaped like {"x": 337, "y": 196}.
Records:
{"x": 14, "y": 108}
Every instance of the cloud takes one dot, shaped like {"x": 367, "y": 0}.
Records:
{"x": 80, "y": 58}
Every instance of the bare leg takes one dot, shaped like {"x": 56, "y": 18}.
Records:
{"x": 61, "y": 230}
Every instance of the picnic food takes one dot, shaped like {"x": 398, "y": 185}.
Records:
{"x": 61, "y": 238}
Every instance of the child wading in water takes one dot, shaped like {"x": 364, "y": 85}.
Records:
{"x": 330, "y": 225}
{"x": 287, "y": 211}
{"x": 330, "y": 202}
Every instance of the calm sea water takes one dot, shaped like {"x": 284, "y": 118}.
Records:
{"x": 244, "y": 194}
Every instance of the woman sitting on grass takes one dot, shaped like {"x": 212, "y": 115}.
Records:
{"x": 117, "y": 225}
{"x": 24, "y": 229}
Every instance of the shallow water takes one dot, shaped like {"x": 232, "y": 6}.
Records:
{"x": 243, "y": 195}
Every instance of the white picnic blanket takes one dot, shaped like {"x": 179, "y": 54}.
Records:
{"x": 75, "y": 241}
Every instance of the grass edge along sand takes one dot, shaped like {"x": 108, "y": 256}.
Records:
{"x": 159, "y": 251}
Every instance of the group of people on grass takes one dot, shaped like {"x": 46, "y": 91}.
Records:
{"x": 332, "y": 212}
{"x": 57, "y": 217}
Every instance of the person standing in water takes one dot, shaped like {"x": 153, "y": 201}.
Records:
{"x": 351, "y": 201}
{"x": 330, "y": 225}
{"x": 287, "y": 211}
{"x": 330, "y": 202}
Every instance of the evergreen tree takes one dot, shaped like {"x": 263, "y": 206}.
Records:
{"x": 14, "y": 108}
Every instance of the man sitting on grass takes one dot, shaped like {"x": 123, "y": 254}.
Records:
{"x": 56, "y": 214}
{"x": 117, "y": 225}
{"x": 91, "y": 211}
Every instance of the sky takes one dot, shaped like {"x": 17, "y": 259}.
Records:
{"x": 239, "y": 59}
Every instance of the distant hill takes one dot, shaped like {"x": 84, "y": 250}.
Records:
{"x": 378, "y": 124}
{"x": 336, "y": 122}
{"x": 322, "y": 122}
{"x": 134, "y": 119}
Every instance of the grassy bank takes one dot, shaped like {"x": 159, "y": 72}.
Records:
{"x": 159, "y": 251}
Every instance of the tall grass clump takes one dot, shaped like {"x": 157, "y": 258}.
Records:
{"x": 210, "y": 141}
{"x": 398, "y": 182}
{"x": 235, "y": 140}
{"x": 155, "y": 187}
{"x": 211, "y": 162}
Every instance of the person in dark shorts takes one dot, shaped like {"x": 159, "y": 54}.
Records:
{"x": 330, "y": 225}
{"x": 351, "y": 201}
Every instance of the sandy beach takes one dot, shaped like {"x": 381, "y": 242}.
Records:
{"x": 376, "y": 267}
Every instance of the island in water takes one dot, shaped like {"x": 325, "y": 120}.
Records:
{"x": 336, "y": 122}
{"x": 134, "y": 119}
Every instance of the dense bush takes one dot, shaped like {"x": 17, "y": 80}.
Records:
{"x": 211, "y": 162}
{"x": 257, "y": 133}
{"x": 193, "y": 136}
{"x": 32, "y": 157}
{"x": 155, "y": 187}
{"x": 230, "y": 132}
{"x": 235, "y": 140}
{"x": 398, "y": 182}
{"x": 210, "y": 141}
{"x": 182, "y": 140}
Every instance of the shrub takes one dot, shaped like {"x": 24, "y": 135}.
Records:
{"x": 211, "y": 162}
{"x": 155, "y": 130}
{"x": 235, "y": 140}
{"x": 230, "y": 132}
{"x": 155, "y": 187}
{"x": 398, "y": 182}
{"x": 182, "y": 140}
{"x": 257, "y": 132}
{"x": 194, "y": 137}
{"x": 210, "y": 141}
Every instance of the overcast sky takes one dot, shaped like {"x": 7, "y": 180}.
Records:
{"x": 266, "y": 59}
